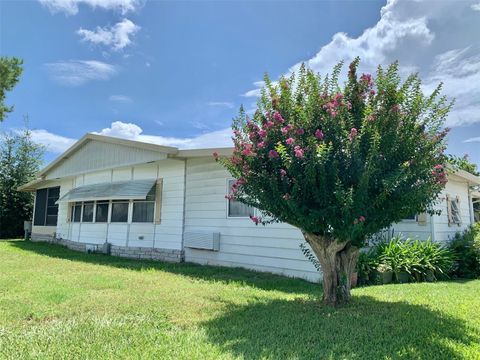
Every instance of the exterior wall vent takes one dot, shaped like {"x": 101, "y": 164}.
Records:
{"x": 202, "y": 240}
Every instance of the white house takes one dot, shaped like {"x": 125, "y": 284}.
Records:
{"x": 158, "y": 202}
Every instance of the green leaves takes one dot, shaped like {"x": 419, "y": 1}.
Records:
{"x": 10, "y": 71}
{"x": 364, "y": 150}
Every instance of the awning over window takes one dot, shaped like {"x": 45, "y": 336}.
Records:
{"x": 135, "y": 190}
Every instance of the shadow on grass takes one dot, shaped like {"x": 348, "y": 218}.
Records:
{"x": 365, "y": 329}
{"x": 255, "y": 279}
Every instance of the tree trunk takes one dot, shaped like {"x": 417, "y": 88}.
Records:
{"x": 337, "y": 260}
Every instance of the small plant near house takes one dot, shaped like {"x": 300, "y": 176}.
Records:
{"x": 466, "y": 251}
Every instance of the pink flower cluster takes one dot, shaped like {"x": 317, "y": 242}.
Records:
{"x": 361, "y": 219}
{"x": 255, "y": 219}
{"x": 319, "y": 134}
{"x": 439, "y": 173}
{"x": 353, "y": 134}
{"x": 333, "y": 105}
{"x": 298, "y": 151}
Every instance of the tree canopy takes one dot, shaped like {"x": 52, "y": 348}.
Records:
{"x": 10, "y": 71}
{"x": 340, "y": 162}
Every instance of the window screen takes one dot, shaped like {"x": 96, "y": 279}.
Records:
{"x": 101, "y": 214}
{"x": 119, "y": 211}
{"x": 46, "y": 209}
{"x": 87, "y": 211}
{"x": 236, "y": 208}
{"x": 455, "y": 212}
{"x": 40, "y": 207}
{"x": 143, "y": 211}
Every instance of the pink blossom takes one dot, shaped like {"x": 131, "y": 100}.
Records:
{"x": 237, "y": 132}
{"x": 229, "y": 197}
{"x": 269, "y": 124}
{"x": 290, "y": 141}
{"x": 241, "y": 181}
{"x": 278, "y": 117}
{"x": 262, "y": 133}
{"x": 247, "y": 151}
{"x": 361, "y": 218}
{"x": 261, "y": 145}
{"x": 283, "y": 173}
{"x": 396, "y": 108}
{"x": 298, "y": 151}
{"x": 371, "y": 118}
{"x": 319, "y": 134}
{"x": 300, "y": 131}
{"x": 286, "y": 196}
{"x": 284, "y": 130}
{"x": 272, "y": 154}
{"x": 372, "y": 92}
{"x": 438, "y": 167}
{"x": 215, "y": 155}
{"x": 255, "y": 219}
{"x": 353, "y": 134}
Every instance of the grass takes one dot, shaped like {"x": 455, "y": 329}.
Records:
{"x": 59, "y": 304}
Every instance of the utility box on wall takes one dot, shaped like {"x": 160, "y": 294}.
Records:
{"x": 202, "y": 240}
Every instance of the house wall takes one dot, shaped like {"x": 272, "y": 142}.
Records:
{"x": 166, "y": 235}
{"x": 443, "y": 231}
{"x": 273, "y": 248}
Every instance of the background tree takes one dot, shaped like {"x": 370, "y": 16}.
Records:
{"x": 20, "y": 160}
{"x": 338, "y": 163}
{"x": 10, "y": 71}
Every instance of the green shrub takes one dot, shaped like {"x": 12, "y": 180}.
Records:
{"x": 466, "y": 251}
{"x": 421, "y": 260}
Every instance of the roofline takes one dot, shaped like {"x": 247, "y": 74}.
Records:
{"x": 471, "y": 179}
{"x": 107, "y": 139}
{"x": 194, "y": 153}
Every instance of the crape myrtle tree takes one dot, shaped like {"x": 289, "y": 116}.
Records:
{"x": 340, "y": 163}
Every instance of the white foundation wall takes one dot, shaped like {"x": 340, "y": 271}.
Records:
{"x": 166, "y": 235}
{"x": 272, "y": 248}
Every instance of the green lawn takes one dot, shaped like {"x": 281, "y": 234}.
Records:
{"x": 59, "y": 304}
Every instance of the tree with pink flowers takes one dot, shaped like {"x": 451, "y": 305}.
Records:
{"x": 338, "y": 162}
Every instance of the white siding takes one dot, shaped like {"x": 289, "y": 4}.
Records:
{"x": 273, "y": 248}
{"x": 444, "y": 232}
{"x": 97, "y": 155}
{"x": 166, "y": 235}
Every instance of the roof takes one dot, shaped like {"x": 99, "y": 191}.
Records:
{"x": 173, "y": 152}
{"x": 107, "y": 139}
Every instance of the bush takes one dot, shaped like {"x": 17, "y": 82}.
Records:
{"x": 421, "y": 260}
{"x": 466, "y": 251}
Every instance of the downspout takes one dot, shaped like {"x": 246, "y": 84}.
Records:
{"x": 182, "y": 259}
{"x": 432, "y": 227}
{"x": 470, "y": 206}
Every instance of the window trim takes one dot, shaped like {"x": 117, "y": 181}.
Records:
{"x": 129, "y": 211}
{"x": 227, "y": 212}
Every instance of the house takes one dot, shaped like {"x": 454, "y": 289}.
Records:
{"x": 157, "y": 202}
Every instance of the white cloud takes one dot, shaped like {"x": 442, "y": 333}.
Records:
{"x": 225, "y": 104}
{"x": 120, "y": 98}
{"x": 435, "y": 40}
{"x": 79, "y": 72}
{"x": 70, "y": 7}
{"x": 116, "y": 37}
{"x": 130, "y": 131}
{"x": 54, "y": 143}
{"x": 474, "y": 139}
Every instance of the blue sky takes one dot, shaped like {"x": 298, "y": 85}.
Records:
{"x": 175, "y": 73}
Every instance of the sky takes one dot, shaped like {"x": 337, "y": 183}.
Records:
{"x": 176, "y": 72}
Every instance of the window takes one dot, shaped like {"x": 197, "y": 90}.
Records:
{"x": 101, "y": 213}
{"x": 453, "y": 209}
{"x": 87, "y": 211}
{"x": 46, "y": 209}
{"x": 412, "y": 217}
{"x": 143, "y": 211}
{"x": 236, "y": 208}
{"x": 119, "y": 211}
{"x": 77, "y": 212}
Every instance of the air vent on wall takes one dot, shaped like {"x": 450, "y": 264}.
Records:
{"x": 202, "y": 240}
